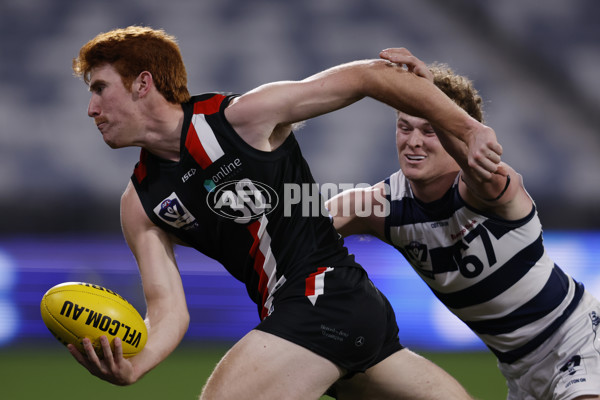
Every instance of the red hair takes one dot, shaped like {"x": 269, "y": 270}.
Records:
{"x": 133, "y": 50}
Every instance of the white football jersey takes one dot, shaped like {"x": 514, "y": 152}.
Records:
{"x": 495, "y": 275}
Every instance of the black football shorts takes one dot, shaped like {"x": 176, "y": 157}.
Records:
{"x": 338, "y": 313}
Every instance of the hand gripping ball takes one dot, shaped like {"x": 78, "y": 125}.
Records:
{"x": 74, "y": 310}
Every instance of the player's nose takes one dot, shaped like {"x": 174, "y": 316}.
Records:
{"x": 415, "y": 139}
{"x": 93, "y": 108}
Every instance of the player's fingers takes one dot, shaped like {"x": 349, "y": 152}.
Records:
{"x": 490, "y": 165}
{"x": 501, "y": 170}
{"x": 110, "y": 365}
{"x": 93, "y": 362}
{"x": 496, "y": 148}
{"x": 483, "y": 165}
{"x": 413, "y": 64}
{"x": 399, "y": 56}
{"x": 423, "y": 71}
{"x": 493, "y": 157}
{"x": 77, "y": 355}
{"x": 118, "y": 353}
{"x": 395, "y": 53}
{"x": 483, "y": 173}
{"x": 90, "y": 351}
{"x": 106, "y": 350}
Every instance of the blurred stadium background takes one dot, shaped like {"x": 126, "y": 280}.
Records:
{"x": 535, "y": 64}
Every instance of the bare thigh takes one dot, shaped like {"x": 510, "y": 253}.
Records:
{"x": 264, "y": 366}
{"x": 403, "y": 375}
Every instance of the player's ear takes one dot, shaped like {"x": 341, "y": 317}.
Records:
{"x": 143, "y": 83}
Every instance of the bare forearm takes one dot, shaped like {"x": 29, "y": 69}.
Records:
{"x": 165, "y": 332}
{"x": 393, "y": 85}
{"x": 359, "y": 211}
{"x": 418, "y": 96}
{"x": 259, "y": 111}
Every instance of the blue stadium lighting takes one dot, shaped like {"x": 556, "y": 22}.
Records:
{"x": 9, "y": 317}
{"x": 220, "y": 308}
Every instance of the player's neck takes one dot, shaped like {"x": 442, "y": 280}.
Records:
{"x": 163, "y": 134}
{"x": 433, "y": 189}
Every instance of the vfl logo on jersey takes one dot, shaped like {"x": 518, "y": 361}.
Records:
{"x": 416, "y": 251}
{"x": 416, "y": 254}
{"x": 242, "y": 201}
{"x": 172, "y": 211}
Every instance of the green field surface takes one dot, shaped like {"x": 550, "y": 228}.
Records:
{"x": 51, "y": 373}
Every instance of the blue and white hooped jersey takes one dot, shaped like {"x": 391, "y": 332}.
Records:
{"x": 495, "y": 275}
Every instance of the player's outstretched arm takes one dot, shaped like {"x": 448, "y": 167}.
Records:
{"x": 360, "y": 211}
{"x": 273, "y": 107}
{"x": 167, "y": 315}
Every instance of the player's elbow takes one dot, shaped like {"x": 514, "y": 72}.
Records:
{"x": 180, "y": 317}
{"x": 184, "y": 321}
{"x": 346, "y": 225}
{"x": 338, "y": 214}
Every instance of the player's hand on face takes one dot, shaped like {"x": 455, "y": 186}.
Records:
{"x": 485, "y": 153}
{"x": 112, "y": 367}
{"x": 402, "y": 56}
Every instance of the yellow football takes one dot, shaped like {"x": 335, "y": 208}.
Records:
{"x": 74, "y": 310}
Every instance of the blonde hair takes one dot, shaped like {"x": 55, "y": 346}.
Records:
{"x": 133, "y": 50}
{"x": 459, "y": 88}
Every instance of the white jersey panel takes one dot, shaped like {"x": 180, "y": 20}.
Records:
{"x": 513, "y": 297}
{"x": 494, "y": 274}
{"x": 521, "y": 336}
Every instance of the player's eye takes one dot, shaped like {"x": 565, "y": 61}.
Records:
{"x": 428, "y": 130}
{"x": 97, "y": 88}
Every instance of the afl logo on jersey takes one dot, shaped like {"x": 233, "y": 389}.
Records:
{"x": 242, "y": 201}
{"x": 172, "y": 211}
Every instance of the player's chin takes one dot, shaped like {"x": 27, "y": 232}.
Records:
{"x": 417, "y": 175}
{"x": 412, "y": 170}
{"x": 113, "y": 144}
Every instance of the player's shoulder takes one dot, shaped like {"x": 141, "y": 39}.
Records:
{"x": 380, "y": 188}
{"x": 208, "y": 103}
{"x": 209, "y": 95}
{"x": 132, "y": 210}
{"x": 395, "y": 186}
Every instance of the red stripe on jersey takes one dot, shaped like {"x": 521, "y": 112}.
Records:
{"x": 195, "y": 148}
{"x": 140, "y": 171}
{"x": 259, "y": 261}
{"x": 209, "y": 106}
{"x": 310, "y": 281}
{"x": 192, "y": 141}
